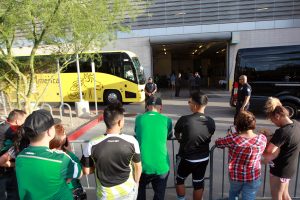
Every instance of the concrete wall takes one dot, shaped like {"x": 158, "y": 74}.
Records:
{"x": 262, "y": 38}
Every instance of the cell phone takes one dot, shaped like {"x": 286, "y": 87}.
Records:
{"x": 66, "y": 143}
{"x": 232, "y": 129}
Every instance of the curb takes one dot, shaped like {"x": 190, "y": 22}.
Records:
{"x": 84, "y": 128}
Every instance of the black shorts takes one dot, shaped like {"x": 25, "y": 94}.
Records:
{"x": 197, "y": 169}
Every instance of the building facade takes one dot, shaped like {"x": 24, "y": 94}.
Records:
{"x": 204, "y": 35}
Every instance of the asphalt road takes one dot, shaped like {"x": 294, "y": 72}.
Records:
{"x": 218, "y": 108}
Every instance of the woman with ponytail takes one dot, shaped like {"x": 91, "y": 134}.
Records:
{"x": 283, "y": 149}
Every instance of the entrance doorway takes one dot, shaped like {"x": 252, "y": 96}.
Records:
{"x": 207, "y": 58}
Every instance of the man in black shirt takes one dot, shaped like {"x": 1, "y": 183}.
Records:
{"x": 194, "y": 134}
{"x": 178, "y": 83}
{"x": 114, "y": 157}
{"x": 244, "y": 94}
{"x": 150, "y": 90}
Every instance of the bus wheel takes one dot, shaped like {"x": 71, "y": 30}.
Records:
{"x": 111, "y": 96}
{"x": 291, "y": 108}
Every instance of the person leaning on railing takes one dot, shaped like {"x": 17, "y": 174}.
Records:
{"x": 41, "y": 172}
{"x": 245, "y": 151}
{"x": 283, "y": 149}
{"x": 60, "y": 142}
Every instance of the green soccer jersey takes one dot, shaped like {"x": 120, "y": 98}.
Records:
{"x": 75, "y": 183}
{"x": 42, "y": 174}
{"x": 152, "y": 130}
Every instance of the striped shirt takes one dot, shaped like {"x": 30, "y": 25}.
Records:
{"x": 244, "y": 156}
{"x": 42, "y": 173}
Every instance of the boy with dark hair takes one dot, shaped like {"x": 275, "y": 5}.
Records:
{"x": 194, "y": 134}
{"x": 8, "y": 181}
{"x": 43, "y": 173}
{"x": 152, "y": 130}
{"x": 9, "y": 128}
{"x": 111, "y": 156}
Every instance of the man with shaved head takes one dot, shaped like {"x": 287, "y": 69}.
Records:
{"x": 244, "y": 94}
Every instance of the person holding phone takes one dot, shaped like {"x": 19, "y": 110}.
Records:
{"x": 60, "y": 142}
{"x": 245, "y": 151}
{"x": 283, "y": 149}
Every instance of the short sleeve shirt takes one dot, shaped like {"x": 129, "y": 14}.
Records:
{"x": 152, "y": 130}
{"x": 150, "y": 87}
{"x": 196, "y": 132}
{"x": 75, "y": 183}
{"x": 244, "y": 90}
{"x": 244, "y": 156}
{"x": 42, "y": 173}
{"x": 111, "y": 155}
{"x": 287, "y": 138}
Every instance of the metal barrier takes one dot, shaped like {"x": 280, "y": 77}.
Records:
{"x": 70, "y": 112}
{"x": 86, "y": 180}
{"x": 220, "y": 175}
{"x": 263, "y": 193}
{"x": 47, "y": 105}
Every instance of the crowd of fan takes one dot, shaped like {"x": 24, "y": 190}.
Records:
{"x": 37, "y": 163}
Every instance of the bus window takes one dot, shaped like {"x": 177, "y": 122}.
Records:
{"x": 45, "y": 64}
{"x": 128, "y": 72}
{"x": 71, "y": 67}
{"x": 109, "y": 63}
{"x": 139, "y": 70}
{"x": 85, "y": 65}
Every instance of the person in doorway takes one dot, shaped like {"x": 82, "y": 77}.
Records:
{"x": 178, "y": 84}
{"x": 8, "y": 132}
{"x": 114, "y": 157}
{"x": 283, "y": 149}
{"x": 150, "y": 90}
{"x": 152, "y": 130}
{"x": 43, "y": 173}
{"x": 173, "y": 79}
{"x": 244, "y": 94}
{"x": 197, "y": 81}
{"x": 194, "y": 134}
{"x": 244, "y": 157}
{"x": 191, "y": 80}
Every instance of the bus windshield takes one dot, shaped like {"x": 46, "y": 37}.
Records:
{"x": 139, "y": 70}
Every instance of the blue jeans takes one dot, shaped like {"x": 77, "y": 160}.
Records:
{"x": 159, "y": 183}
{"x": 248, "y": 189}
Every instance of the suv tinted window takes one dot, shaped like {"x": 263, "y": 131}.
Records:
{"x": 270, "y": 64}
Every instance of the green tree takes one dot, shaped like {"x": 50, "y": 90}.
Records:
{"x": 58, "y": 27}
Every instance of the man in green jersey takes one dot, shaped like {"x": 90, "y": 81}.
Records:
{"x": 43, "y": 173}
{"x": 152, "y": 130}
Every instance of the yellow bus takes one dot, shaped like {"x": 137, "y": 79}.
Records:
{"x": 119, "y": 76}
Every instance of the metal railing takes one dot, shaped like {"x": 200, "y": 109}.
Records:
{"x": 77, "y": 148}
{"x": 213, "y": 177}
{"x": 264, "y": 191}
{"x": 44, "y": 105}
{"x": 61, "y": 107}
